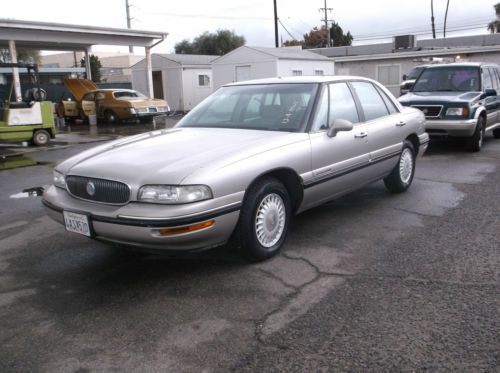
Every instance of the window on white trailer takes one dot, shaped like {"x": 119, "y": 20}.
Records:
{"x": 296, "y": 72}
{"x": 203, "y": 80}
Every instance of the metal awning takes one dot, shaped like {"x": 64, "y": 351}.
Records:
{"x": 57, "y": 36}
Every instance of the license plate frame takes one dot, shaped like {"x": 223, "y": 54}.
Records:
{"x": 78, "y": 222}
{"x": 152, "y": 110}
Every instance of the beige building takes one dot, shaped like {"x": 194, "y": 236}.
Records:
{"x": 115, "y": 66}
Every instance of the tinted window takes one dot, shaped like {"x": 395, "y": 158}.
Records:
{"x": 487, "y": 81}
{"x": 448, "y": 79}
{"x": 342, "y": 104}
{"x": 494, "y": 78}
{"x": 371, "y": 101}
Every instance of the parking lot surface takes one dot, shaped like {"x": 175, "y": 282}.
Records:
{"x": 368, "y": 282}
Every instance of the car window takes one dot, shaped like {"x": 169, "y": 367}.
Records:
{"x": 448, "y": 79}
{"x": 321, "y": 118}
{"x": 497, "y": 74}
{"x": 100, "y": 96}
{"x": 88, "y": 97}
{"x": 371, "y": 102}
{"x": 273, "y": 107}
{"x": 494, "y": 78}
{"x": 342, "y": 105}
{"x": 127, "y": 94}
{"x": 388, "y": 102}
{"x": 487, "y": 81}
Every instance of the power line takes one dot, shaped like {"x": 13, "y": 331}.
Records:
{"x": 288, "y": 32}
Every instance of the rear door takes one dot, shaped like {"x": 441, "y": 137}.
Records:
{"x": 384, "y": 127}
{"x": 491, "y": 103}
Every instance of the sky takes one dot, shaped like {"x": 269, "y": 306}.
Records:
{"x": 368, "y": 21}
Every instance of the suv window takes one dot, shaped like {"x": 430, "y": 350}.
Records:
{"x": 372, "y": 103}
{"x": 494, "y": 77}
{"x": 448, "y": 79}
{"x": 487, "y": 81}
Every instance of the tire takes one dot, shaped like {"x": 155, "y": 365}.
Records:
{"x": 401, "y": 177}
{"x": 41, "y": 138}
{"x": 496, "y": 133}
{"x": 475, "y": 142}
{"x": 264, "y": 219}
{"x": 110, "y": 117}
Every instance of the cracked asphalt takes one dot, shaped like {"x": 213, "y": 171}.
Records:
{"x": 369, "y": 282}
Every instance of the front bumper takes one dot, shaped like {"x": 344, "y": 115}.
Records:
{"x": 138, "y": 224}
{"x": 459, "y": 128}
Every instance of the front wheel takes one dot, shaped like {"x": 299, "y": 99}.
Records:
{"x": 475, "y": 142}
{"x": 264, "y": 219}
{"x": 110, "y": 117}
{"x": 41, "y": 138}
{"x": 399, "y": 180}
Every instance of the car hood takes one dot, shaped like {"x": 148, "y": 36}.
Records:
{"x": 416, "y": 98}
{"x": 169, "y": 156}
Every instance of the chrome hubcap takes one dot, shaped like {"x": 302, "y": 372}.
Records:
{"x": 270, "y": 220}
{"x": 406, "y": 165}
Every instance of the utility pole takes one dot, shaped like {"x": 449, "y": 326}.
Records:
{"x": 326, "y": 20}
{"x": 129, "y": 19}
{"x": 432, "y": 20}
{"x": 276, "y": 25}
{"x": 446, "y": 18}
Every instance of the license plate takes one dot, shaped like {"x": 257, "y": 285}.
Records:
{"x": 77, "y": 223}
{"x": 152, "y": 110}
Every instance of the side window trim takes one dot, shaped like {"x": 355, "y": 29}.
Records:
{"x": 387, "y": 100}
{"x": 357, "y": 102}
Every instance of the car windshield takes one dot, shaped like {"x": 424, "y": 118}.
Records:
{"x": 128, "y": 94}
{"x": 448, "y": 79}
{"x": 270, "y": 107}
{"x": 414, "y": 73}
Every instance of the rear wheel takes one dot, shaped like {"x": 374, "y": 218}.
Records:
{"x": 110, "y": 117}
{"x": 41, "y": 138}
{"x": 475, "y": 142}
{"x": 264, "y": 219}
{"x": 399, "y": 180}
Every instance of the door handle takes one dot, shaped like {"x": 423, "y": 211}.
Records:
{"x": 360, "y": 135}
{"x": 400, "y": 124}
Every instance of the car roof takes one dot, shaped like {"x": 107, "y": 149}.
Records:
{"x": 462, "y": 64}
{"x": 299, "y": 79}
{"x": 112, "y": 90}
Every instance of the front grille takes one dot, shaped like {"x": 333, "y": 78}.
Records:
{"x": 430, "y": 111}
{"x": 106, "y": 191}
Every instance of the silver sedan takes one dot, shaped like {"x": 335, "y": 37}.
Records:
{"x": 240, "y": 165}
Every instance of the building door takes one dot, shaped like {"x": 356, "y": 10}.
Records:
{"x": 158, "y": 84}
{"x": 242, "y": 73}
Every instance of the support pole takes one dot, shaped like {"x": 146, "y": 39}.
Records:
{"x": 15, "y": 70}
{"x": 149, "y": 72}
{"x": 276, "y": 25}
{"x": 129, "y": 24}
{"x": 88, "y": 71}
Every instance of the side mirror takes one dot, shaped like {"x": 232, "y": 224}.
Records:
{"x": 339, "y": 125}
{"x": 488, "y": 92}
{"x": 405, "y": 76}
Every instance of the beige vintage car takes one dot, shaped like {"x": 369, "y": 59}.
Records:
{"x": 111, "y": 105}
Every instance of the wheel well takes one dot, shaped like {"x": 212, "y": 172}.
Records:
{"x": 291, "y": 181}
{"x": 414, "y": 141}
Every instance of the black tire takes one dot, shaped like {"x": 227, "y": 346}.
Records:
{"x": 271, "y": 193}
{"x": 475, "y": 142}
{"x": 496, "y": 133}
{"x": 41, "y": 138}
{"x": 110, "y": 117}
{"x": 399, "y": 180}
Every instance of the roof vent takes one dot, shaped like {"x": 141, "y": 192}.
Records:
{"x": 405, "y": 42}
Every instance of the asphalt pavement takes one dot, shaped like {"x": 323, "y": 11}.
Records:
{"x": 369, "y": 282}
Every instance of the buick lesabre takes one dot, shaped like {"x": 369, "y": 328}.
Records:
{"x": 240, "y": 165}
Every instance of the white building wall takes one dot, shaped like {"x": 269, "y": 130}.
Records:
{"x": 193, "y": 92}
{"x": 308, "y": 68}
{"x": 226, "y": 73}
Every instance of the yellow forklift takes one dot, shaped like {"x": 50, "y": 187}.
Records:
{"x": 31, "y": 119}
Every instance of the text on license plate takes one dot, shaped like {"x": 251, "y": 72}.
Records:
{"x": 77, "y": 223}
{"x": 152, "y": 110}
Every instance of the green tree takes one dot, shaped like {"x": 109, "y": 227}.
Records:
{"x": 218, "y": 43}
{"x": 317, "y": 38}
{"x": 95, "y": 67}
{"x": 494, "y": 26}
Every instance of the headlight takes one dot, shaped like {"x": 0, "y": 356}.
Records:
{"x": 457, "y": 111}
{"x": 59, "y": 179}
{"x": 174, "y": 194}
{"x": 132, "y": 110}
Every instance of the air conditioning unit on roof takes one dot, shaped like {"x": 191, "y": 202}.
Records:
{"x": 405, "y": 42}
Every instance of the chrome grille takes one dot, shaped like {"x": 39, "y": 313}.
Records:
{"x": 432, "y": 111}
{"x": 106, "y": 191}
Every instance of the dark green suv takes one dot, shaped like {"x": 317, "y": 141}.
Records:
{"x": 458, "y": 99}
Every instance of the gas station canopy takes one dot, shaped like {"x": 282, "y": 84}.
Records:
{"x": 57, "y": 36}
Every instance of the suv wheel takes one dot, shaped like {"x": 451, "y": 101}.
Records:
{"x": 475, "y": 142}
{"x": 496, "y": 133}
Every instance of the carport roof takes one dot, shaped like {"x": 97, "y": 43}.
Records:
{"x": 58, "y": 36}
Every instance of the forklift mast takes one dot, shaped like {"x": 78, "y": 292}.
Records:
{"x": 32, "y": 72}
